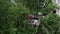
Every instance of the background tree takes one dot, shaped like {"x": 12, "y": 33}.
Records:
{"x": 13, "y": 18}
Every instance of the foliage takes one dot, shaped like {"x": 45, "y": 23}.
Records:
{"x": 13, "y": 19}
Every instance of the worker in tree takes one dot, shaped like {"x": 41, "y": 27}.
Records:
{"x": 34, "y": 19}
{"x": 30, "y": 17}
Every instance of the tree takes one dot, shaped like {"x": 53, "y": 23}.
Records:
{"x": 13, "y": 19}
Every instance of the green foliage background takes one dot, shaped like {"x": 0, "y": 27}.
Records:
{"x": 13, "y": 19}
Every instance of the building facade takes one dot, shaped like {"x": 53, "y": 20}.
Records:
{"x": 57, "y": 2}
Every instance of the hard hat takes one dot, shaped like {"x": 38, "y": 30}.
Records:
{"x": 39, "y": 13}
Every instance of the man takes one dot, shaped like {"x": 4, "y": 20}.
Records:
{"x": 34, "y": 19}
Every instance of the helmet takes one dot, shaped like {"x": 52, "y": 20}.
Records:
{"x": 39, "y": 13}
